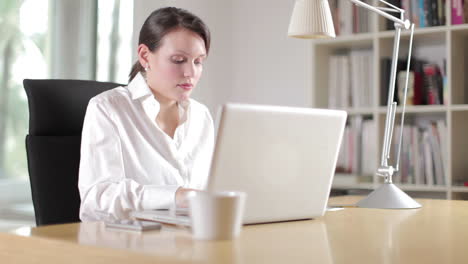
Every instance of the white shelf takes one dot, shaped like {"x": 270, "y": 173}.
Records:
{"x": 364, "y": 39}
{"x": 413, "y": 187}
{"x": 350, "y": 181}
{"x": 360, "y": 111}
{"x": 418, "y": 109}
{"x": 455, "y": 28}
{"x": 404, "y": 187}
{"x": 417, "y": 32}
{"x": 358, "y": 186}
{"x": 368, "y": 37}
{"x": 459, "y": 107}
{"x": 460, "y": 189}
{"x": 409, "y": 109}
{"x": 449, "y": 43}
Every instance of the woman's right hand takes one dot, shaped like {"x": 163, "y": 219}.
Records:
{"x": 182, "y": 195}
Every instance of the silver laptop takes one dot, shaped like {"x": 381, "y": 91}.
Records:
{"x": 284, "y": 158}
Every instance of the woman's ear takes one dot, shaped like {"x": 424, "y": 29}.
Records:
{"x": 143, "y": 55}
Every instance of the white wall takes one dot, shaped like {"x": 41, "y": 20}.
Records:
{"x": 251, "y": 58}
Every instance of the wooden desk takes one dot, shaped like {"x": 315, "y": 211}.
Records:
{"x": 436, "y": 233}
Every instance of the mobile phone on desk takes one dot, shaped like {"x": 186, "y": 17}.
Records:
{"x": 133, "y": 225}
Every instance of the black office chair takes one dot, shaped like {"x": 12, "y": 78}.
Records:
{"x": 56, "y": 113}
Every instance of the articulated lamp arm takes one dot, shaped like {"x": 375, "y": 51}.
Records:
{"x": 385, "y": 170}
{"x": 406, "y": 24}
{"x": 389, "y": 196}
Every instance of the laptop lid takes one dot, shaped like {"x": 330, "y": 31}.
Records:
{"x": 284, "y": 158}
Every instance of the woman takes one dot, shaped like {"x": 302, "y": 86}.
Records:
{"x": 144, "y": 146}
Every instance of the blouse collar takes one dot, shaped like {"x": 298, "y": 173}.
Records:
{"x": 139, "y": 89}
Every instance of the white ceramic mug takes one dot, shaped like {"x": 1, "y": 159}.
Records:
{"x": 216, "y": 215}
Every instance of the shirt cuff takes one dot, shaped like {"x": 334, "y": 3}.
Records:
{"x": 158, "y": 197}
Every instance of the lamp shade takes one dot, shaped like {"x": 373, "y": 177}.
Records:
{"x": 311, "y": 19}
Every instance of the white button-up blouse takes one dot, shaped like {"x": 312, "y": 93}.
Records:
{"x": 129, "y": 163}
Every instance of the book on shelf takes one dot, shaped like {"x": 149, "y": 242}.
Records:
{"x": 441, "y": 12}
{"x": 417, "y": 157}
{"x": 414, "y": 12}
{"x": 349, "y": 18}
{"x": 401, "y": 78}
{"x": 433, "y": 84}
{"x": 423, "y": 154}
{"x": 442, "y": 133}
{"x": 358, "y": 152}
{"x": 436, "y": 154}
{"x": 345, "y": 17}
{"x": 423, "y": 13}
{"x": 406, "y": 5}
{"x": 356, "y": 140}
{"x": 465, "y": 11}
{"x": 335, "y": 16}
{"x": 338, "y": 82}
{"x": 457, "y": 12}
{"x": 426, "y": 83}
{"x": 386, "y": 65}
{"x": 428, "y": 164}
{"x": 350, "y": 80}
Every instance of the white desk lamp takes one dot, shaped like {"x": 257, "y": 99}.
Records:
{"x": 312, "y": 19}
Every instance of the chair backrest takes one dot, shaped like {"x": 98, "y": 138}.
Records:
{"x": 56, "y": 114}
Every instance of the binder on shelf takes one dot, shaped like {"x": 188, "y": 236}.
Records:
{"x": 423, "y": 13}
{"x": 437, "y": 156}
{"x": 345, "y": 18}
{"x": 415, "y": 12}
{"x": 350, "y": 80}
{"x": 417, "y": 156}
{"x": 433, "y": 84}
{"x": 428, "y": 164}
{"x": 465, "y": 12}
{"x": 348, "y": 18}
{"x": 457, "y": 12}
{"x": 422, "y": 159}
{"x": 401, "y": 85}
{"x": 358, "y": 153}
{"x": 442, "y": 129}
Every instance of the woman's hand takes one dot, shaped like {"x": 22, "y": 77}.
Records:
{"x": 182, "y": 195}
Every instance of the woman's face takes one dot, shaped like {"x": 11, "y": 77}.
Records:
{"x": 176, "y": 66}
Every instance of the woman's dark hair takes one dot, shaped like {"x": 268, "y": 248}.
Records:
{"x": 161, "y": 22}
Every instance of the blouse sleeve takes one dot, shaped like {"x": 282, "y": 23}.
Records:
{"x": 105, "y": 191}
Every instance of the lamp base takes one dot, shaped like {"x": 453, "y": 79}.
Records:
{"x": 388, "y": 196}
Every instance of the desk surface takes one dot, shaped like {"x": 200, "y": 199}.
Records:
{"x": 436, "y": 233}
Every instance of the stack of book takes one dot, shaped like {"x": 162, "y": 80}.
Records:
{"x": 423, "y": 154}
{"x": 350, "y": 80}
{"x": 426, "y": 83}
{"x": 423, "y": 13}
{"x": 358, "y": 153}
{"x": 349, "y": 18}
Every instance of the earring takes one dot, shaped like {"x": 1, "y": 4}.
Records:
{"x": 146, "y": 67}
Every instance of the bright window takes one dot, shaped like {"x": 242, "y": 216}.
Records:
{"x": 24, "y": 27}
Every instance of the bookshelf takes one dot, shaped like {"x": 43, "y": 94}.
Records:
{"x": 443, "y": 45}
